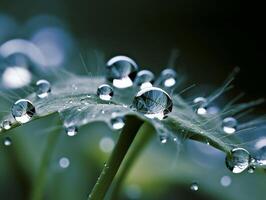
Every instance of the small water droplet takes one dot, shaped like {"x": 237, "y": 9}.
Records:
{"x": 23, "y": 111}
{"x": 64, "y": 162}
{"x": 238, "y": 160}
{"x": 229, "y": 125}
{"x": 200, "y": 103}
{"x": 163, "y": 139}
{"x": 7, "y": 141}
{"x": 168, "y": 78}
{"x": 121, "y": 71}
{"x": 153, "y": 102}
{"x": 105, "y": 92}
{"x": 6, "y": 124}
{"x": 144, "y": 79}
{"x": 194, "y": 187}
{"x": 251, "y": 169}
{"x": 43, "y": 88}
{"x": 118, "y": 122}
{"x": 71, "y": 131}
{"x": 226, "y": 181}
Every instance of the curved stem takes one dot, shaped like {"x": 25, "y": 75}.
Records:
{"x": 143, "y": 137}
{"x": 39, "y": 183}
{"x": 111, "y": 167}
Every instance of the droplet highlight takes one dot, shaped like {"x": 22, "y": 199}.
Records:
{"x": 7, "y": 141}
{"x": 168, "y": 78}
{"x": 194, "y": 187}
{"x": 144, "y": 79}
{"x": 229, "y": 125}
{"x": 6, "y": 124}
{"x": 23, "y": 111}
{"x": 200, "y": 104}
{"x": 43, "y": 88}
{"x": 71, "y": 131}
{"x": 118, "y": 122}
{"x": 64, "y": 162}
{"x": 105, "y": 92}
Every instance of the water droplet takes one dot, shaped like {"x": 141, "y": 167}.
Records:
{"x": 64, "y": 162}
{"x": 6, "y": 124}
{"x": 43, "y": 88}
{"x": 153, "y": 102}
{"x": 260, "y": 157}
{"x": 168, "y": 78}
{"x": 7, "y": 141}
{"x": 71, "y": 130}
{"x": 118, "y": 122}
{"x": 106, "y": 144}
{"x": 121, "y": 71}
{"x": 163, "y": 139}
{"x": 200, "y": 103}
{"x": 105, "y": 92}
{"x": 144, "y": 79}
{"x": 238, "y": 160}
{"x": 251, "y": 169}
{"x": 23, "y": 111}
{"x": 194, "y": 187}
{"x": 226, "y": 181}
{"x": 229, "y": 125}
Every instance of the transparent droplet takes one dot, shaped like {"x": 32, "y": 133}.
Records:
{"x": 23, "y": 111}
{"x": 7, "y": 141}
{"x": 238, "y": 160}
{"x": 105, "y": 92}
{"x": 153, "y": 102}
{"x": 144, "y": 79}
{"x": 121, "y": 71}
{"x": 229, "y": 125}
{"x": 226, "y": 181}
{"x": 71, "y": 131}
{"x": 64, "y": 162}
{"x": 43, "y": 88}
{"x": 194, "y": 187}
{"x": 163, "y": 139}
{"x": 118, "y": 122}
{"x": 6, "y": 124}
{"x": 168, "y": 78}
{"x": 200, "y": 104}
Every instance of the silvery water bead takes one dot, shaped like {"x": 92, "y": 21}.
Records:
{"x": 200, "y": 103}
{"x": 118, "y": 122}
{"x": 43, "y": 88}
{"x": 121, "y": 71}
{"x": 168, "y": 78}
{"x": 238, "y": 160}
{"x": 229, "y": 125}
{"x": 144, "y": 78}
{"x": 194, "y": 187}
{"x": 23, "y": 111}
{"x": 153, "y": 102}
{"x": 71, "y": 130}
{"x": 7, "y": 141}
{"x": 105, "y": 92}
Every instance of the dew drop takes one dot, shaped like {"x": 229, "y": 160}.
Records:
{"x": 163, "y": 139}
{"x": 200, "y": 103}
{"x": 6, "y": 124}
{"x": 144, "y": 79}
{"x": 153, "y": 102}
{"x": 194, "y": 187}
{"x": 238, "y": 160}
{"x": 7, "y": 141}
{"x": 105, "y": 92}
{"x": 43, "y": 88}
{"x": 121, "y": 71}
{"x": 226, "y": 181}
{"x": 71, "y": 131}
{"x": 229, "y": 125}
{"x": 64, "y": 162}
{"x": 168, "y": 78}
{"x": 118, "y": 122}
{"x": 23, "y": 111}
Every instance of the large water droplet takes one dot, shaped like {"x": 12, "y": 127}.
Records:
{"x": 6, "y": 124}
{"x": 200, "y": 104}
{"x": 43, "y": 88}
{"x": 153, "y": 102}
{"x": 23, "y": 111}
{"x": 229, "y": 125}
{"x": 7, "y": 141}
{"x": 64, "y": 162}
{"x": 105, "y": 92}
{"x": 194, "y": 187}
{"x": 144, "y": 79}
{"x": 121, "y": 71}
{"x": 71, "y": 131}
{"x": 168, "y": 78}
{"x": 238, "y": 160}
{"x": 118, "y": 122}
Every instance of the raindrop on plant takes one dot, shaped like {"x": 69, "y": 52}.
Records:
{"x": 7, "y": 141}
{"x": 105, "y": 92}
{"x": 71, "y": 131}
{"x": 23, "y": 111}
{"x": 121, "y": 71}
{"x": 168, "y": 78}
{"x": 229, "y": 125}
{"x": 194, "y": 187}
{"x": 6, "y": 124}
{"x": 238, "y": 160}
{"x": 118, "y": 122}
{"x": 144, "y": 79}
{"x": 43, "y": 88}
{"x": 200, "y": 103}
{"x": 64, "y": 162}
{"x": 153, "y": 102}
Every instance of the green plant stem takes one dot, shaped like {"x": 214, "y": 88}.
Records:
{"x": 39, "y": 183}
{"x": 143, "y": 137}
{"x": 111, "y": 167}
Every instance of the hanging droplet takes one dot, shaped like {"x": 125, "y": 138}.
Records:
{"x": 23, "y": 111}
{"x": 229, "y": 125}
{"x": 6, "y": 124}
{"x": 144, "y": 79}
{"x": 43, "y": 88}
{"x": 64, "y": 162}
{"x": 200, "y": 103}
{"x": 168, "y": 78}
{"x": 163, "y": 139}
{"x": 238, "y": 160}
{"x": 105, "y": 92}
{"x": 71, "y": 131}
{"x": 118, "y": 122}
{"x": 153, "y": 102}
{"x": 7, "y": 141}
{"x": 121, "y": 71}
{"x": 194, "y": 187}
